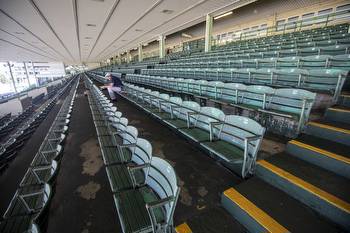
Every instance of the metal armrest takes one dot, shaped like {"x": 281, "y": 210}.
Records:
{"x": 211, "y": 132}
{"x": 160, "y": 203}
{"x": 132, "y": 167}
{"x": 189, "y": 114}
{"x": 253, "y": 138}
{"x": 131, "y": 145}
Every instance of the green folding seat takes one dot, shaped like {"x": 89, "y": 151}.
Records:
{"x": 214, "y": 89}
{"x": 109, "y": 143}
{"x": 256, "y": 97}
{"x": 287, "y": 47}
{"x": 331, "y": 80}
{"x": 150, "y": 208}
{"x": 323, "y": 43}
{"x": 288, "y": 62}
{"x": 236, "y": 63}
{"x": 335, "y": 50}
{"x": 232, "y": 92}
{"x": 295, "y": 104}
{"x": 273, "y": 53}
{"x": 236, "y": 140}
{"x": 198, "y": 123}
{"x": 261, "y": 76}
{"x": 289, "y": 77}
{"x": 180, "y": 113}
{"x": 266, "y": 63}
{"x": 308, "y": 51}
{"x": 288, "y": 53}
{"x": 40, "y": 174}
{"x": 19, "y": 224}
{"x": 250, "y": 63}
{"x": 46, "y": 154}
{"x": 158, "y": 104}
{"x": 199, "y": 87}
{"x": 242, "y": 75}
{"x": 314, "y": 62}
{"x": 340, "y": 62}
{"x": 29, "y": 200}
{"x": 131, "y": 175}
{"x": 343, "y": 41}
{"x": 302, "y": 45}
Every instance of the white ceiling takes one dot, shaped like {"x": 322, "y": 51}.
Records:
{"x": 47, "y": 30}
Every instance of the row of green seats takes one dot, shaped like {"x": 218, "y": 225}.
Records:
{"x": 259, "y": 61}
{"x": 325, "y": 80}
{"x": 294, "y": 104}
{"x": 145, "y": 187}
{"x": 233, "y": 140}
{"x": 329, "y": 33}
{"x": 28, "y": 207}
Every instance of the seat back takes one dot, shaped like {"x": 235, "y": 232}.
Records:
{"x": 257, "y": 95}
{"x": 236, "y": 128}
{"x": 207, "y": 115}
{"x": 187, "y": 106}
{"x": 295, "y": 101}
{"x": 142, "y": 153}
{"x": 162, "y": 179}
{"x": 231, "y": 92}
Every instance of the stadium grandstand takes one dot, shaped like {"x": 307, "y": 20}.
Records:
{"x": 174, "y": 116}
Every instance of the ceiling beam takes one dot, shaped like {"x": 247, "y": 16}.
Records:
{"x": 165, "y": 22}
{"x": 19, "y": 46}
{"x": 104, "y": 25}
{"x": 50, "y": 26}
{"x": 30, "y": 32}
{"x": 26, "y": 42}
{"x": 76, "y": 22}
{"x": 133, "y": 24}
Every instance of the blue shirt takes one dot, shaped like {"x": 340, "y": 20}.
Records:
{"x": 116, "y": 82}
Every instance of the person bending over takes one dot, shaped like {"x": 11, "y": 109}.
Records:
{"x": 115, "y": 85}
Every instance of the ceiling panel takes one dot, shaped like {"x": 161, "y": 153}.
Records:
{"x": 93, "y": 13}
{"x": 63, "y": 24}
{"x": 75, "y": 31}
{"x": 24, "y": 12}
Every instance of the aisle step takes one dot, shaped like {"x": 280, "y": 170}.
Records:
{"x": 345, "y": 100}
{"x": 324, "y": 191}
{"x": 338, "y": 113}
{"x": 271, "y": 210}
{"x": 331, "y": 130}
{"x": 329, "y": 155}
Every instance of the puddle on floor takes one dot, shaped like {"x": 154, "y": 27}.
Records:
{"x": 89, "y": 190}
{"x": 92, "y": 157}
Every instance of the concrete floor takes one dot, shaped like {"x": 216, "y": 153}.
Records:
{"x": 12, "y": 176}
{"x": 201, "y": 178}
{"x": 83, "y": 201}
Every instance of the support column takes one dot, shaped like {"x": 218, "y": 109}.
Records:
{"x": 140, "y": 53}
{"x": 36, "y": 78}
{"x": 128, "y": 56}
{"x": 208, "y": 33}
{"x": 25, "y": 67}
{"x": 161, "y": 46}
{"x": 12, "y": 78}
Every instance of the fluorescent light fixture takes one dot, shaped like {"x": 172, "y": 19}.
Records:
{"x": 186, "y": 35}
{"x": 223, "y": 15}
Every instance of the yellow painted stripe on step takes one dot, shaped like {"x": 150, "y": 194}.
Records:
{"x": 339, "y": 110}
{"x": 330, "y": 127}
{"x": 321, "y": 151}
{"x": 271, "y": 225}
{"x": 183, "y": 228}
{"x": 335, "y": 201}
{"x": 345, "y": 95}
